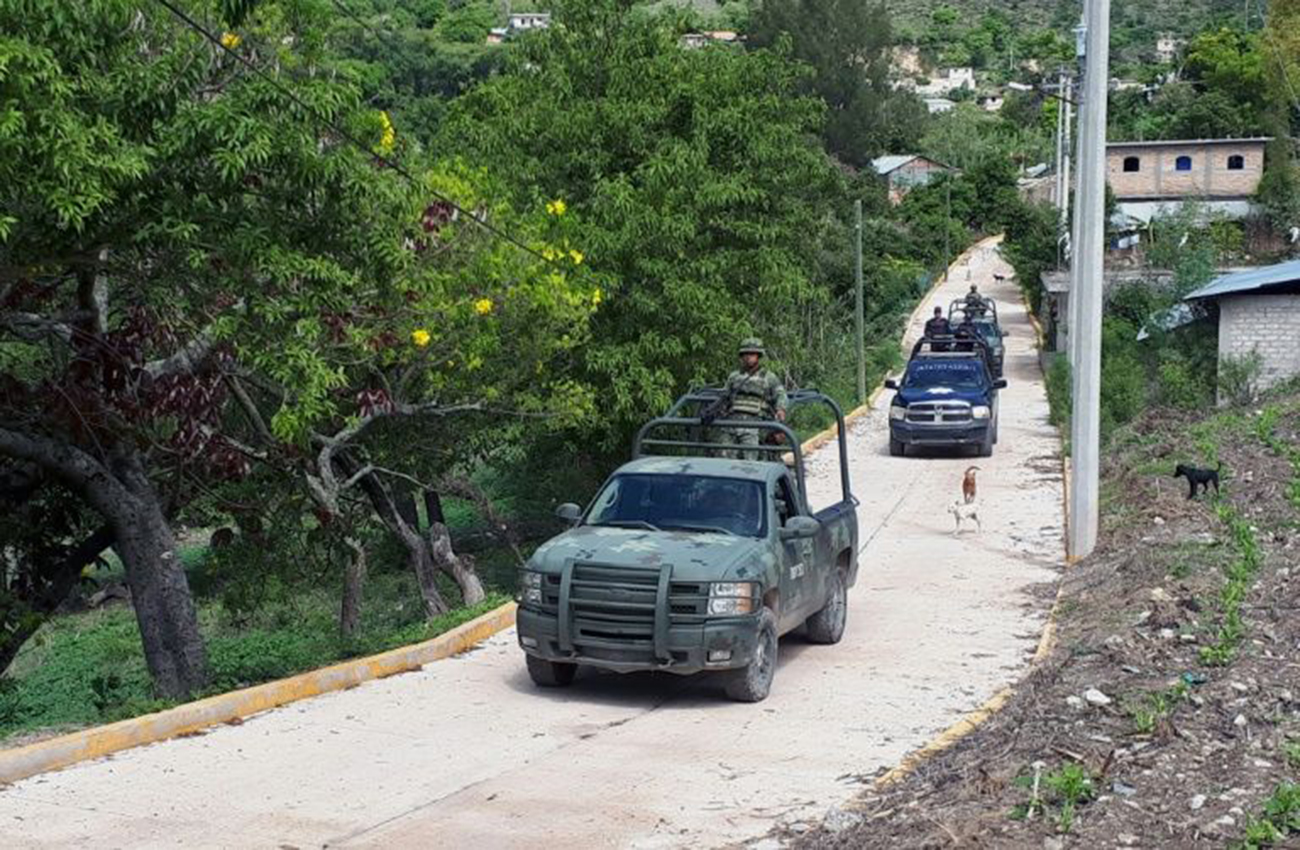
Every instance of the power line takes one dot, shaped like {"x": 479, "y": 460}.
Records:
{"x": 347, "y": 136}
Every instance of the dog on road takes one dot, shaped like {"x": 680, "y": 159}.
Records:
{"x": 1197, "y": 477}
{"x": 968, "y": 484}
{"x": 964, "y": 512}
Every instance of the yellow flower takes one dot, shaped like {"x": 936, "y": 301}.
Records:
{"x": 483, "y": 306}
{"x": 230, "y": 40}
{"x": 556, "y": 207}
{"x": 550, "y": 254}
{"x": 388, "y": 137}
{"x": 597, "y": 297}
{"x": 420, "y": 337}
{"x": 577, "y": 257}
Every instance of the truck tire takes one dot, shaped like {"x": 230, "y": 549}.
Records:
{"x": 753, "y": 682}
{"x": 986, "y": 447}
{"x": 827, "y": 625}
{"x": 550, "y": 674}
{"x": 897, "y": 448}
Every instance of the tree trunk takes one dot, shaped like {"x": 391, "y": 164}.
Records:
{"x": 160, "y": 591}
{"x": 459, "y": 567}
{"x": 354, "y": 581}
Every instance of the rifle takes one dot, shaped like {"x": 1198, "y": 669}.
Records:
{"x": 719, "y": 407}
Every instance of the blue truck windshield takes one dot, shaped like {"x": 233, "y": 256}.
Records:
{"x": 944, "y": 373}
{"x": 682, "y": 503}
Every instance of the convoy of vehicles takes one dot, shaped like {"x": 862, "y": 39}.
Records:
{"x": 691, "y": 559}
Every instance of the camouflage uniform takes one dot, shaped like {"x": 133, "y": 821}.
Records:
{"x": 758, "y": 396}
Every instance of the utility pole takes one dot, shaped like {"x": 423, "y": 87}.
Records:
{"x": 1085, "y": 331}
{"x": 859, "y": 322}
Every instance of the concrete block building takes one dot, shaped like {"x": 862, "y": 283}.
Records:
{"x": 1259, "y": 312}
{"x": 1205, "y": 168}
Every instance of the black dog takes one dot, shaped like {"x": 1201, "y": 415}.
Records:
{"x": 1199, "y": 477}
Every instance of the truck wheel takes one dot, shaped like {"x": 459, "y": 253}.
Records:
{"x": 753, "y": 682}
{"x": 827, "y": 625}
{"x": 550, "y": 674}
{"x": 897, "y": 448}
{"x": 986, "y": 447}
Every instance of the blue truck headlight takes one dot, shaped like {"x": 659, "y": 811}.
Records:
{"x": 530, "y": 583}
{"x": 980, "y": 411}
{"x": 731, "y": 598}
{"x": 897, "y": 411}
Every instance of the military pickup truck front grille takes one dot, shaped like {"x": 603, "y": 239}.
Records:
{"x": 616, "y": 608}
{"x": 938, "y": 412}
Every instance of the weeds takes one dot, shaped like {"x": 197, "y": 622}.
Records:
{"x": 1155, "y": 708}
{"x": 1240, "y": 572}
{"x": 1281, "y": 818}
{"x": 1060, "y": 791}
{"x": 1291, "y": 753}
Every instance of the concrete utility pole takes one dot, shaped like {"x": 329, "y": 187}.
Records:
{"x": 859, "y": 322}
{"x": 1086, "y": 280}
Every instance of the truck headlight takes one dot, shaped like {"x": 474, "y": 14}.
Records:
{"x": 730, "y": 598}
{"x": 980, "y": 411}
{"x": 530, "y": 583}
{"x": 897, "y": 411}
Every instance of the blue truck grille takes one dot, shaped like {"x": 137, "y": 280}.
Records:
{"x": 938, "y": 413}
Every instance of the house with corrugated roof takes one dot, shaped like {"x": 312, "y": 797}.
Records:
{"x": 1258, "y": 314}
{"x": 904, "y": 172}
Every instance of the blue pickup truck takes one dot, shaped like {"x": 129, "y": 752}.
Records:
{"x": 948, "y": 396}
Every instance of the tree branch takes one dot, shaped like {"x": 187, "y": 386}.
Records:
{"x": 71, "y": 465}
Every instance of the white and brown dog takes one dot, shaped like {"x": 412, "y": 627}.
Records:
{"x": 965, "y": 512}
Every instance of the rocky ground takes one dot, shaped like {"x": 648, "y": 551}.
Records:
{"x": 1168, "y": 712}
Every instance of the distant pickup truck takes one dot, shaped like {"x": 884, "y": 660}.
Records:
{"x": 690, "y": 560}
{"x": 947, "y": 397}
{"x": 987, "y": 326}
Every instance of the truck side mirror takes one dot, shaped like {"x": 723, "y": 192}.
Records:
{"x": 569, "y": 512}
{"x": 800, "y": 528}
{"x": 1000, "y": 384}
{"x": 891, "y": 384}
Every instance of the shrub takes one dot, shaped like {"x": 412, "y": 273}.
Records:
{"x": 1239, "y": 378}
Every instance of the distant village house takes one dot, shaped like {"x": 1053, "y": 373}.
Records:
{"x": 1150, "y": 177}
{"x": 904, "y": 172}
{"x": 529, "y": 21}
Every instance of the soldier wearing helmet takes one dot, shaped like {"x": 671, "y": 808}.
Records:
{"x": 755, "y": 393}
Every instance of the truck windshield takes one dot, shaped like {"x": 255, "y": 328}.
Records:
{"x": 682, "y": 503}
{"x": 962, "y": 376}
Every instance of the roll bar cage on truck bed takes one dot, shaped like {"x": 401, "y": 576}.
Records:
{"x": 686, "y": 414}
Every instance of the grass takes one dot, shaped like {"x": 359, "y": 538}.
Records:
{"x": 88, "y": 668}
{"x": 1280, "y": 819}
{"x": 1151, "y": 710}
{"x": 1058, "y": 793}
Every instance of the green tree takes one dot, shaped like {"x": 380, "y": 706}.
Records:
{"x": 847, "y": 45}
{"x": 696, "y": 175}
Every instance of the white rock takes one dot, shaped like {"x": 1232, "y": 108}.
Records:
{"x": 1226, "y": 820}
{"x": 1127, "y": 839}
{"x": 1158, "y": 520}
{"x": 1240, "y": 687}
{"x": 838, "y": 820}
{"x": 1159, "y": 594}
{"x": 1167, "y": 634}
{"x": 1074, "y": 702}
{"x": 1239, "y": 721}
{"x": 1096, "y": 697}
{"x": 766, "y": 844}
{"x": 1197, "y": 802}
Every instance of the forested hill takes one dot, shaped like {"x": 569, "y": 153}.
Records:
{"x": 1136, "y": 24}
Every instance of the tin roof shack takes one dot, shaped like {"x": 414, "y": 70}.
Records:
{"x": 1259, "y": 315}
{"x": 904, "y": 172}
{"x": 1147, "y": 177}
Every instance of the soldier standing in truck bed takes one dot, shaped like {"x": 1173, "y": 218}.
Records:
{"x": 755, "y": 393}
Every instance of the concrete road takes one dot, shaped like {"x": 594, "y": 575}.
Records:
{"x": 466, "y": 753}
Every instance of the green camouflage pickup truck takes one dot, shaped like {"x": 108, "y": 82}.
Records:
{"x": 691, "y": 560}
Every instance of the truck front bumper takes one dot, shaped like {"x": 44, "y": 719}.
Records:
{"x": 688, "y": 646}
{"x": 966, "y": 434}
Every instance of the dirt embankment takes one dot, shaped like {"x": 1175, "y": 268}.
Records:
{"x": 1168, "y": 714}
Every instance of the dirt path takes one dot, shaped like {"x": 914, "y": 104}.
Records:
{"x": 467, "y": 753}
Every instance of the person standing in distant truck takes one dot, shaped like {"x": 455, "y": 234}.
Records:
{"x": 755, "y": 393}
{"x": 938, "y": 326}
{"x": 975, "y": 304}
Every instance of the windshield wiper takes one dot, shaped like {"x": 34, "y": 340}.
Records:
{"x": 629, "y": 523}
{"x": 716, "y": 529}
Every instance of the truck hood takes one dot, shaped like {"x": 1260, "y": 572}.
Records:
{"x": 694, "y": 556}
{"x": 913, "y": 395}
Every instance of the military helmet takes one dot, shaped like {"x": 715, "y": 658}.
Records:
{"x": 753, "y": 345}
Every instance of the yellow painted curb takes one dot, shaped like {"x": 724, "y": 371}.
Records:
{"x": 100, "y": 741}
{"x": 1046, "y": 642}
